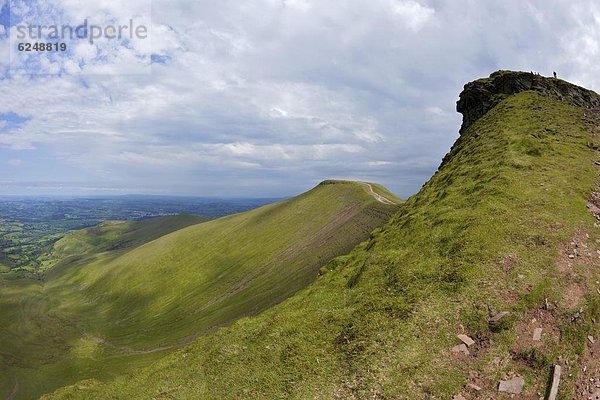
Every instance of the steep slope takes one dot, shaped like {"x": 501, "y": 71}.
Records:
{"x": 35, "y": 333}
{"x": 502, "y": 226}
{"x": 100, "y": 313}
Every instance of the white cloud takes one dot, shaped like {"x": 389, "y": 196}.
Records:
{"x": 284, "y": 93}
{"x": 413, "y": 14}
{"x": 15, "y": 162}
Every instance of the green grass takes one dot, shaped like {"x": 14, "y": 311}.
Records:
{"x": 136, "y": 298}
{"x": 115, "y": 235}
{"x": 483, "y": 235}
{"x": 36, "y": 336}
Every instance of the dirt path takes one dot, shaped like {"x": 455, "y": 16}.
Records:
{"x": 588, "y": 381}
{"x": 377, "y": 196}
{"x": 13, "y": 394}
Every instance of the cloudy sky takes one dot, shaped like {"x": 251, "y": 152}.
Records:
{"x": 263, "y": 97}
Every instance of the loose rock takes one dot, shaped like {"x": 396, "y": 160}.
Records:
{"x": 537, "y": 334}
{"x": 461, "y": 348}
{"x": 591, "y": 339}
{"x": 514, "y": 386}
{"x": 466, "y": 340}
{"x": 555, "y": 382}
{"x": 496, "y": 318}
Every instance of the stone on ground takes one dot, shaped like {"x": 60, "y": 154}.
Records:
{"x": 466, "y": 340}
{"x": 496, "y": 318}
{"x": 555, "y": 383}
{"x": 513, "y": 386}
{"x": 461, "y": 348}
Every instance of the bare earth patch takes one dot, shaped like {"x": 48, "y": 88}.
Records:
{"x": 576, "y": 262}
{"x": 588, "y": 384}
{"x": 539, "y": 318}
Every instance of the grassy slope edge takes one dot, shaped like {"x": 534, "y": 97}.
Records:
{"x": 487, "y": 233}
{"x": 101, "y": 313}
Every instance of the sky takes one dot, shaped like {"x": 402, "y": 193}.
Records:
{"x": 263, "y": 98}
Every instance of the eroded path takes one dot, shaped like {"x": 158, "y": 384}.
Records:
{"x": 13, "y": 394}
{"x": 377, "y": 196}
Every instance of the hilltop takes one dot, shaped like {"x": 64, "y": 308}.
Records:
{"x": 504, "y": 226}
{"x": 124, "y": 294}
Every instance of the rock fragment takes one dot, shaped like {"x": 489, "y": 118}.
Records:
{"x": 537, "y": 334}
{"x": 555, "y": 382}
{"x": 591, "y": 339}
{"x": 496, "y": 318}
{"x": 577, "y": 315}
{"x": 466, "y": 340}
{"x": 513, "y": 386}
{"x": 461, "y": 348}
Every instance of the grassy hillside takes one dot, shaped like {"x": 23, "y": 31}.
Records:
{"x": 40, "y": 341}
{"x": 109, "y": 306}
{"x": 211, "y": 274}
{"x": 116, "y": 235}
{"x": 502, "y": 226}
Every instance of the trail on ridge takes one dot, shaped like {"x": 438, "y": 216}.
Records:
{"x": 377, "y": 196}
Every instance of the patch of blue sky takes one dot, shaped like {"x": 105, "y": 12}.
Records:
{"x": 5, "y": 17}
{"x": 159, "y": 59}
{"x": 11, "y": 120}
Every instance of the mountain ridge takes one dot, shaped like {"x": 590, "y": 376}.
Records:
{"x": 119, "y": 297}
{"x": 501, "y": 227}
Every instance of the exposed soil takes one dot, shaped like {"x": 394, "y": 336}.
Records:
{"x": 14, "y": 392}
{"x": 537, "y": 319}
{"x": 588, "y": 384}
{"x": 575, "y": 263}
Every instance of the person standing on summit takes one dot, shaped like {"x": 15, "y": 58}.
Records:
{"x": 554, "y": 74}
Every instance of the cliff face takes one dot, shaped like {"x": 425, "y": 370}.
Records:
{"x": 480, "y": 96}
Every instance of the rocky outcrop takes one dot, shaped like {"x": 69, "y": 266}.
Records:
{"x": 480, "y": 96}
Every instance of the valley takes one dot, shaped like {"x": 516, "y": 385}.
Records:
{"x": 29, "y": 226}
